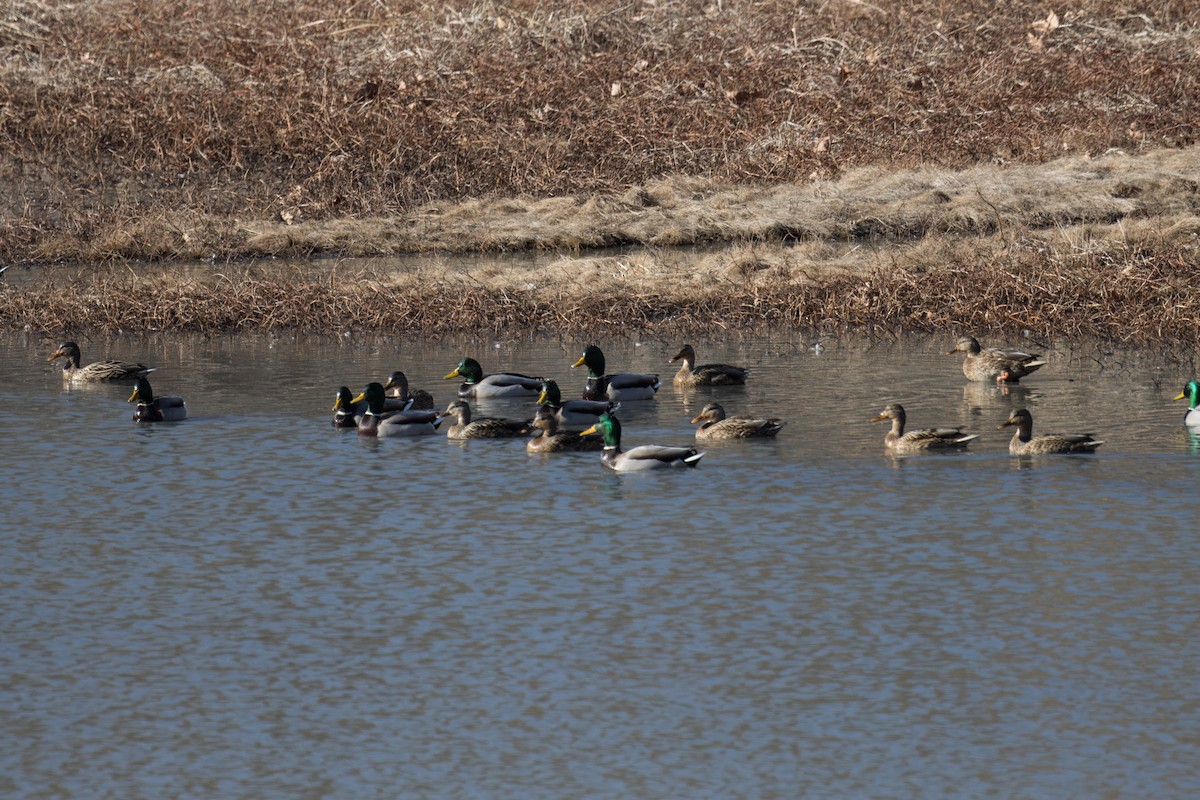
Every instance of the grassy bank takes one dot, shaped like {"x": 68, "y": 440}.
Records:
{"x": 886, "y": 144}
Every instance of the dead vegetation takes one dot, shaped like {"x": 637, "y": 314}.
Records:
{"x": 1003, "y": 143}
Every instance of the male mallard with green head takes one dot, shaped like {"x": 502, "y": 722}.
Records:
{"x": 616, "y": 388}
{"x": 382, "y": 423}
{"x": 155, "y": 409}
{"x": 502, "y": 384}
{"x": 1191, "y": 392}
{"x": 643, "y": 457}
{"x": 577, "y": 413}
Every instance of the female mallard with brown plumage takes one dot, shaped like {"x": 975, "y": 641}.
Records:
{"x": 994, "y": 364}
{"x": 547, "y": 438}
{"x": 643, "y": 457}
{"x": 99, "y": 371}
{"x": 706, "y": 374}
{"x": 501, "y": 384}
{"x": 925, "y": 439}
{"x": 381, "y": 423}
{"x": 1024, "y": 443}
{"x": 397, "y": 389}
{"x": 715, "y": 425}
{"x": 615, "y": 388}
{"x": 156, "y": 409}
{"x": 468, "y": 427}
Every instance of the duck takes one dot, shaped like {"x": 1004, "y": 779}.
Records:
{"x": 1191, "y": 392}
{"x": 706, "y": 374}
{"x": 643, "y": 457}
{"x": 99, "y": 371}
{"x": 547, "y": 438}
{"x": 382, "y": 423}
{"x": 502, "y": 384}
{"x": 897, "y": 441}
{"x": 994, "y": 364}
{"x": 155, "y": 409}
{"x": 344, "y": 414}
{"x": 1024, "y": 443}
{"x": 618, "y": 387}
{"x": 715, "y": 425}
{"x": 480, "y": 427}
{"x": 578, "y": 413}
{"x": 397, "y": 388}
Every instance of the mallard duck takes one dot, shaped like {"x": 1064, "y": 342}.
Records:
{"x": 1191, "y": 392}
{"x": 155, "y": 409}
{"x": 379, "y": 422}
{"x": 579, "y": 413}
{"x": 344, "y": 414}
{"x": 502, "y": 384}
{"x": 994, "y": 364}
{"x": 706, "y": 374}
{"x": 97, "y": 371}
{"x": 480, "y": 427}
{"x": 397, "y": 389}
{"x": 898, "y": 441}
{"x": 646, "y": 456}
{"x": 715, "y": 425}
{"x": 618, "y": 387}
{"x": 1025, "y": 443}
{"x": 547, "y": 438}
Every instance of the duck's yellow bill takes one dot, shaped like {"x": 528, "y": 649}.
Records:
{"x": 451, "y": 375}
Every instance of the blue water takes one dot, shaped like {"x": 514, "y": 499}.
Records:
{"x": 252, "y": 604}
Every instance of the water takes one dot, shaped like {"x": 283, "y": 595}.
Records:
{"x": 252, "y": 604}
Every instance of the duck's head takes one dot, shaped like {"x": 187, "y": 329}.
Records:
{"x": 965, "y": 344}
{"x": 608, "y": 427}
{"x": 1191, "y": 392}
{"x": 686, "y": 354}
{"x": 142, "y": 393}
{"x": 593, "y": 359}
{"x": 550, "y": 394}
{"x": 398, "y": 381}
{"x": 458, "y": 408}
{"x": 545, "y": 420}
{"x": 468, "y": 369}
{"x": 374, "y": 396}
{"x": 69, "y": 351}
{"x": 890, "y": 411}
{"x": 713, "y": 412}
{"x": 1020, "y": 417}
{"x": 344, "y": 399}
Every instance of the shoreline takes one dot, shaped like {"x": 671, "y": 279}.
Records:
{"x": 1106, "y": 247}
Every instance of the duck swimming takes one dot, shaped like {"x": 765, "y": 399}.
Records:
{"x": 925, "y": 439}
{"x": 99, "y": 371}
{"x": 706, "y": 374}
{"x": 501, "y": 384}
{"x": 1025, "y": 443}
{"x": 643, "y": 457}
{"x": 155, "y": 409}
{"x": 616, "y": 388}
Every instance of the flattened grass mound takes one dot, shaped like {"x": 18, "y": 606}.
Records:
{"x": 1141, "y": 289}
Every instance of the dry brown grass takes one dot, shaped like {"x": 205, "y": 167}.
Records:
{"x": 1029, "y": 170}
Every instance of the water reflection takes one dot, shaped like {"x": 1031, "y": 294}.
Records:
{"x": 253, "y": 603}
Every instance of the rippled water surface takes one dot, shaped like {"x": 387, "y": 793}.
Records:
{"x": 250, "y": 604}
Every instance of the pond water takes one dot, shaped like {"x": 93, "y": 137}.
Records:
{"x": 253, "y": 604}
